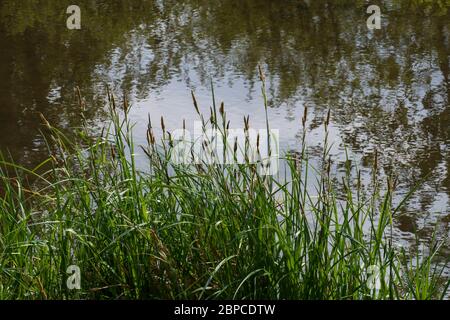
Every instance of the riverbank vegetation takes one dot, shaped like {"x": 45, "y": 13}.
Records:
{"x": 203, "y": 231}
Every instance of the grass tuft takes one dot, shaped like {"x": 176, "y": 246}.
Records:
{"x": 196, "y": 231}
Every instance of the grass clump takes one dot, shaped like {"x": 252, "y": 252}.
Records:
{"x": 196, "y": 231}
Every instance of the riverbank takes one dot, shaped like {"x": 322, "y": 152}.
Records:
{"x": 203, "y": 231}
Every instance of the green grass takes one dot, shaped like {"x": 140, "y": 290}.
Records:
{"x": 196, "y": 231}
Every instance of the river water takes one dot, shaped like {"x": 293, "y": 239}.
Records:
{"x": 387, "y": 89}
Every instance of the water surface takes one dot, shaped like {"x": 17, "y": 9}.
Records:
{"x": 387, "y": 89}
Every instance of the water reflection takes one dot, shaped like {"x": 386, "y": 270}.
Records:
{"x": 388, "y": 90}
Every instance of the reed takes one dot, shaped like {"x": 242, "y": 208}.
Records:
{"x": 197, "y": 231}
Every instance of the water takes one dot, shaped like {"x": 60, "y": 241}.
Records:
{"x": 387, "y": 89}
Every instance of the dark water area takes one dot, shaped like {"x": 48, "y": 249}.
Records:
{"x": 387, "y": 89}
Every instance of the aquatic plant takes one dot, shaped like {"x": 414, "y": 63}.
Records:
{"x": 197, "y": 231}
